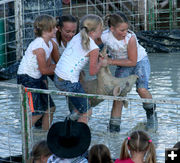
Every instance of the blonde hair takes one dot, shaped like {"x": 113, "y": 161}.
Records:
{"x": 44, "y": 23}
{"x": 88, "y": 24}
{"x": 139, "y": 141}
{"x": 99, "y": 153}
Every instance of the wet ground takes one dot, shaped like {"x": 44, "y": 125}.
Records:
{"x": 164, "y": 84}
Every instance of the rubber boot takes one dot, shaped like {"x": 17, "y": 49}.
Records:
{"x": 152, "y": 122}
{"x": 114, "y": 124}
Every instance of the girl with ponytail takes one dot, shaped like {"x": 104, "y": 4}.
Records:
{"x": 137, "y": 148}
{"x": 81, "y": 49}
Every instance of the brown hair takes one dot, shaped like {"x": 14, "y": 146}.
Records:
{"x": 44, "y": 23}
{"x": 60, "y": 23}
{"x": 40, "y": 149}
{"x": 99, "y": 153}
{"x": 89, "y": 23}
{"x": 115, "y": 18}
{"x": 139, "y": 141}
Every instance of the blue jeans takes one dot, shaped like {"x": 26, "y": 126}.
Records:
{"x": 142, "y": 70}
{"x": 80, "y": 103}
{"x": 41, "y": 101}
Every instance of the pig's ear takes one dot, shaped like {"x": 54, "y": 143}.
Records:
{"x": 116, "y": 91}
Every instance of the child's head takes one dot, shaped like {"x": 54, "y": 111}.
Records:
{"x": 44, "y": 23}
{"x": 90, "y": 25}
{"x": 118, "y": 24}
{"x": 99, "y": 153}
{"x": 40, "y": 152}
{"x": 67, "y": 27}
{"x": 137, "y": 142}
{"x": 115, "y": 18}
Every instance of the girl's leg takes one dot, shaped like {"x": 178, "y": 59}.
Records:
{"x": 151, "y": 114}
{"x": 115, "y": 120}
{"x": 34, "y": 119}
{"x": 84, "y": 117}
{"x": 47, "y": 118}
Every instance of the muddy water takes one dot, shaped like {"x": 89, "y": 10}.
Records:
{"x": 164, "y": 84}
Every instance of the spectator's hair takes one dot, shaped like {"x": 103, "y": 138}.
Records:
{"x": 88, "y": 24}
{"x": 138, "y": 141}
{"x": 44, "y": 23}
{"x": 99, "y": 153}
{"x": 60, "y": 23}
{"x": 115, "y": 18}
{"x": 40, "y": 149}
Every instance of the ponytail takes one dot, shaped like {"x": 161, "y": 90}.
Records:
{"x": 124, "y": 150}
{"x": 151, "y": 154}
{"x": 107, "y": 20}
{"x": 88, "y": 24}
{"x": 85, "y": 41}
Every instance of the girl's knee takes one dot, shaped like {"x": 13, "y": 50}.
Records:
{"x": 142, "y": 90}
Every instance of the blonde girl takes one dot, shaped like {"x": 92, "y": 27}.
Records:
{"x": 36, "y": 63}
{"x": 130, "y": 58}
{"x": 137, "y": 148}
{"x": 79, "y": 51}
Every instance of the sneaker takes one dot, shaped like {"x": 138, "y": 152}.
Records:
{"x": 38, "y": 124}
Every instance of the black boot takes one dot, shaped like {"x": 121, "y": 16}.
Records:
{"x": 152, "y": 122}
{"x": 114, "y": 124}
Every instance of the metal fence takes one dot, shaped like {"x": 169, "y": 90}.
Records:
{"x": 16, "y": 18}
{"x": 17, "y": 137}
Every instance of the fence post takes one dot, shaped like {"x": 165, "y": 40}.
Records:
{"x": 18, "y": 27}
{"x": 24, "y": 124}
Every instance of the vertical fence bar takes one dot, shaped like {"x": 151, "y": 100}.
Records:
{"x": 18, "y": 27}
{"x": 170, "y": 15}
{"x": 145, "y": 15}
{"x": 25, "y": 126}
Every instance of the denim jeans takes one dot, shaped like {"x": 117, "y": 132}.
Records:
{"x": 142, "y": 70}
{"x": 41, "y": 102}
{"x": 80, "y": 103}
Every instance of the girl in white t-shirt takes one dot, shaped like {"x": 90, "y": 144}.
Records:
{"x": 67, "y": 26}
{"x": 37, "y": 62}
{"x": 78, "y": 52}
{"x": 130, "y": 58}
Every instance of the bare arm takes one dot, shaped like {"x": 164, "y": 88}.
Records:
{"x": 94, "y": 64}
{"x": 55, "y": 52}
{"x": 132, "y": 55}
{"x": 44, "y": 66}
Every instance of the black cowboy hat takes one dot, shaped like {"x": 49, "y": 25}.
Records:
{"x": 68, "y": 139}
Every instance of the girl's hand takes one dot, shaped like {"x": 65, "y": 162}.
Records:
{"x": 103, "y": 62}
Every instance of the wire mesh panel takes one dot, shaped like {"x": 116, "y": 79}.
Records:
{"x": 7, "y": 33}
{"x": 164, "y": 133}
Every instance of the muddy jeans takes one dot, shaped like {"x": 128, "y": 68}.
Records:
{"x": 80, "y": 103}
{"x": 41, "y": 102}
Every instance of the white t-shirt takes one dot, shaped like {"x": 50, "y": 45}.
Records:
{"x": 29, "y": 64}
{"x": 55, "y": 159}
{"x": 73, "y": 59}
{"x": 60, "y": 47}
{"x": 118, "y": 48}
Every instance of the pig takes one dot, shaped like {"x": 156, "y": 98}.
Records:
{"x": 107, "y": 84}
